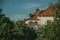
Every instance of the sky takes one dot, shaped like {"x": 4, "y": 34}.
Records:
{"x": 20, "y": 9}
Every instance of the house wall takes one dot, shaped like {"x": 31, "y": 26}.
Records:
{"x": 33, "y": 24}
{"x": 43, "y": 20}
{"x": 27, "y": 22}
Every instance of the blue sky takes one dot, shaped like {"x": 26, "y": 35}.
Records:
{"x": 20, "y": 9}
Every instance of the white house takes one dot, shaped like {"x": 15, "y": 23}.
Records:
{"x": 42, "y": 18}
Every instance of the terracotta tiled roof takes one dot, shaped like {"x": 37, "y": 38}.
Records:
{"x": 48, "y": 12}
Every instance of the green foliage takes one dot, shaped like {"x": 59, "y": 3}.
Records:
{"x": 19, "y": 31}
{"x": 50, "y": 31}
{"x": 31, "y": 15}
{"x": 15, "y": 31}
{"x": 25, "y": 32}
{"x": 5, "y": 28}
{"x": 58, "y": 4}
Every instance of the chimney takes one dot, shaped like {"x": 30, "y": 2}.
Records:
{"x": 37, "y": 12}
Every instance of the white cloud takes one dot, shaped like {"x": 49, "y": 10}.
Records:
{"x": 31, "y": 5}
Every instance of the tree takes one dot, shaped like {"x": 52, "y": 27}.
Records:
{"x": 15, "y": 31}
{"x": 31, "y": 15}
{"x": 25, "y": 32}
{"x": 6, "y": 27}
{"x": 58, "y": 4}
{"x": 51, "y": 31}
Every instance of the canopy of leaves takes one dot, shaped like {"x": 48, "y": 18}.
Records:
{"x": 15, "y": 31}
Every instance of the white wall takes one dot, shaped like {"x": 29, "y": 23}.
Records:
{"x": 31, "y": 20}
{"x": 33, "y": 26}
{"x": 43, "y": 20}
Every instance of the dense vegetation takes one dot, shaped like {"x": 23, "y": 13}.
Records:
{"x": 15, "y": 31}
{"x": 51, "y": 31}
{"x": 19, "y": 31}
